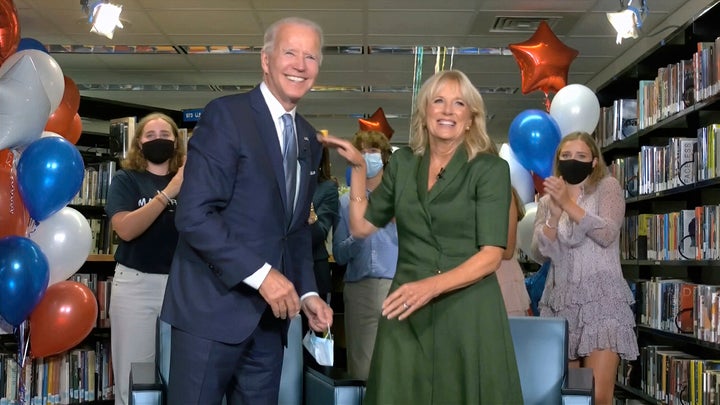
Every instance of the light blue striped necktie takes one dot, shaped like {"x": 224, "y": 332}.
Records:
{"x": 289, "y": 163}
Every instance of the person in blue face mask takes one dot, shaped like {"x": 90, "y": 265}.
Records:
{"x": 370, "y": 262}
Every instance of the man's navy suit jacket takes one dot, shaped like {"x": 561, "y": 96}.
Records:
{"x": 231, "y": 219}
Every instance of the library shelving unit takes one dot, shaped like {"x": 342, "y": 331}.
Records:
{"x": 670, "y": 252}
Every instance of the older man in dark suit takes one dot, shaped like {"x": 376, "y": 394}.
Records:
{"x": 243, "y": 266}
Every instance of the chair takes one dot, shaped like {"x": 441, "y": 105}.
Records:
{"x": 148, "y": 381}
{"x": 331, "y": 386}
{"x": 541, "y": 347}
{"x": 541, "y": 353}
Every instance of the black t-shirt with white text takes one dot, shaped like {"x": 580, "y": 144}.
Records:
{"x": 153, "y": 250}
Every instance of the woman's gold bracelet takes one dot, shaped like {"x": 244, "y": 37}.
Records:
{"x": 358, "y": 199}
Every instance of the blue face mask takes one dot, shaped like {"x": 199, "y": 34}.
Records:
{"x": 374, "y": 164}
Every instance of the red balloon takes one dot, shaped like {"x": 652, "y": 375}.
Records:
{"x": 9, "y": 29}
{"x": 14, "y": 217}
{"x": 60, "y": 120}
{"x": 538, "y": 182}
{"x": 71, "y": 95}
{"x": 377, "y": 122}
{"x": 75, "y": 130}
{"x": 65, "y": 316}
{"x": 544, "y": 61}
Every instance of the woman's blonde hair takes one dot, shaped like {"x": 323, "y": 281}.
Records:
{"x": 599, "y": 171}
{"x": 136, "y": 160}
{"x": 476, "y": 139}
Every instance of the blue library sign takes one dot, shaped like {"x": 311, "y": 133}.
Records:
{"x": 191, "y": 115}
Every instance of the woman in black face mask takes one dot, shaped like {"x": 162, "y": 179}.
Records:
{"x": 577, "y": 226}
{"x": 141, "y": 206}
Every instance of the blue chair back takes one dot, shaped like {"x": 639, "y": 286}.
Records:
{"x": 541, "y": 347}
{"x": 291, "y": 380}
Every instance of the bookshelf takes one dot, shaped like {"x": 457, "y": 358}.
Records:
{"x": 669, "y": 243}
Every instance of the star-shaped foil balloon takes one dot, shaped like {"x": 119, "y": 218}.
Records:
{"x": 9, "y": 29}
{"x": 377, "y": 122}
{"x": 544, "y": 61}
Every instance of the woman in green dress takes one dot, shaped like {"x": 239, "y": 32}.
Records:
{"x": 443, "y": 337}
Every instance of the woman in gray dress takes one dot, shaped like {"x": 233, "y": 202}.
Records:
{"x": 577, "y": 226}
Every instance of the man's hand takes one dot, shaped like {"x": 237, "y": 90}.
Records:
{"x": 279, "y": 292}
{"x": 319, "y": 314}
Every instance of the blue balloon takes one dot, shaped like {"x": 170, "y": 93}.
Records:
{"x": 348, "y": 175}
{"x": 24, "y": 276}
{"x": 534, "y": 135}
{"x": 30, "y": 43}
{"x": 50, "y": 173}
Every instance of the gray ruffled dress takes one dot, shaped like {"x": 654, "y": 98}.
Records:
{"x": 585, "y": 284}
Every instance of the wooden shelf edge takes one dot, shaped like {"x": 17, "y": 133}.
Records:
{"x": 101, "y": 258}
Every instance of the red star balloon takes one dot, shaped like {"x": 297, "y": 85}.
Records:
{"x": 377, "y": 122}
{"x": 544, "y": 61}
{"x": 9, "y": 29}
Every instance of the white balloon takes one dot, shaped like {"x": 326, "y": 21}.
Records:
{"x": 24, "y": 106}
{"x": 520, "y": 177}
{"x": 525, "y": 230}
{"x": 65, "y": 239}
{"x": 575, "y": 108}
{"x": 50, "y": 73}
{"x": 48, "y": 134}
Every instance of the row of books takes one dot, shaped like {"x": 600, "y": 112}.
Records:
{"x": 679, "y": 85}
{"x": 104, "y": 239}
{"x": 77, "y": 376}
{"x": 617, "y": 122}
{"x": 685, "y": 234}
{"x": 680, "y": 306}
{"x": 681, "y": 162}
{"x": 674, "y": 377}
{"x": 102, "y": 290}
{"x": 96, "y": 183}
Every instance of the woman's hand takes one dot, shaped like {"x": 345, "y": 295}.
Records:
{"x": 313, "y": 216}
{"x": 408, "y": 298}
{"x": 344, "y": 148}
{"x": 556, "y": 188}
{"x": 173, "y": 188}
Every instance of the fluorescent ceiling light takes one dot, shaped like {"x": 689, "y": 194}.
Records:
{"x": 628, "y": 21}
{"x": 105, "y": 17}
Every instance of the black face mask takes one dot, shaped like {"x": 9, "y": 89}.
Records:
{"x": 574, "y": 171}
{"x": 158, "y": 150}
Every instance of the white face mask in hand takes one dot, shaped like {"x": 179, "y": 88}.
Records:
{"x": 321, "y": 348}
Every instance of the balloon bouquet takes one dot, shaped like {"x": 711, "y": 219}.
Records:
{"x": 42, "y": 241}
{"x": 534, "y": 134}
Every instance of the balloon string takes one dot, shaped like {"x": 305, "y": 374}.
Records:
{"x": 444, "y": 53}
{"x": 10, "y": 160}
{"x": 21, "y": 356}
{"x": 547, "y": 102}
{"x": 417, "y": 70}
